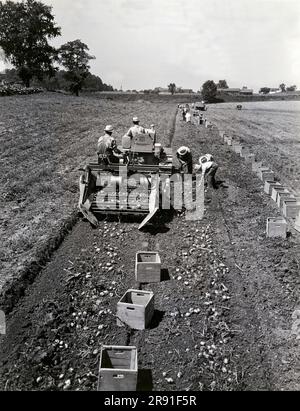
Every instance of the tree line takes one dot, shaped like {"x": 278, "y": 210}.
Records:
{"x": 26, "y": 29}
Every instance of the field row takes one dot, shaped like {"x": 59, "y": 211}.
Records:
{"x": 45, "y": 139}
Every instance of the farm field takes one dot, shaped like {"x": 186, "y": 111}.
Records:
{"x": 271, "y": 129}
{"x": 226, "y": 313}
{"x": 45, "y": 139}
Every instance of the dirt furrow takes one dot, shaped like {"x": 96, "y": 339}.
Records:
{"x": 223, "y": 311}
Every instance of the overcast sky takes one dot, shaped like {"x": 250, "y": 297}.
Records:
{"x": 147, "y": 43}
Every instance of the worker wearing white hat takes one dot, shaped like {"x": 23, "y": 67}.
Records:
{"x": 107, "y": 147}
{"x": 136, "y": 129}
{"x": 208, "y": 167}
{"x": 185, "y": 159}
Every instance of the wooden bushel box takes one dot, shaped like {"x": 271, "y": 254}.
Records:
{"x": 275, "y": 190}
{"x": 266, "y": 174}
{"x": 297, "y": 223}
{"x": 148, "y": 267}
{"x": 276, "y": 227}
{"x": 290, "y": 208}
{"x": 135, "y": 309}
{"x": 283, "y": 195}
{"x": 269, "y": 185}
{"x": 118, "y": 369}
{"x": 229, "y": 141}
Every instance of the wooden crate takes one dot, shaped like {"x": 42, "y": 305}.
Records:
{"x": 265, "y": 173}
{"x": 297, "y": 223}
{"x": 135, "y": 309}
{"x": 229, "y": 141}
{"x": 290, "y": 207}
{"x": 269, "y": 185}
{"x": 275, "y": 190}
{"x": 148, "y": 267}
{"x": 118, "y": 369}
{"x": 283, "y": 195}
{"x": 276, "y": 227}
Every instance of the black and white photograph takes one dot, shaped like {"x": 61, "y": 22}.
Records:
{"x": 150, "y": 198}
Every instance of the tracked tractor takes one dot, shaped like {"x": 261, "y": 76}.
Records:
{"x": 131, "y": 187}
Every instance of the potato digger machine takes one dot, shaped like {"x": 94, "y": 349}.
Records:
{"x": 137, "y": 186}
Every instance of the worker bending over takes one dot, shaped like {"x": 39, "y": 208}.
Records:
{"x": 107, "y": 148}
{"x": 185, "y": 159}
{"x": 208, "y": 167}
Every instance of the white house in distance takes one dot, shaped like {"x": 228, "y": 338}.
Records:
{"x": 275, "y": 90}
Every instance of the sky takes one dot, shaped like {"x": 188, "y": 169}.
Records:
{"x": 142, "y": 44}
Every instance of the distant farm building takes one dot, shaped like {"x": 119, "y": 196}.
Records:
{"x": 161, "y": 90}
{"x": 181, "y": 90}
{"x": 229, "y": 91}
{"x": 236, "y": 91}
{"x": 275, "y": 90}
{"x": 246, "y": 92}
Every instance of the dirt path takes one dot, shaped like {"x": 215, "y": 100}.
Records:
{"x": 223, "y": 316}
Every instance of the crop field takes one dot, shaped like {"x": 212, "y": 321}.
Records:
{"x": 227, "y": 309}
{"x": 272, "y": 131}
{"x": 45, "y": 139}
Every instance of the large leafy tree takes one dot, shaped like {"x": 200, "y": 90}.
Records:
{"x": 291, "y": 88}
{"x": 74, "y": 57}
{"x": 222, "y": 84}
{"x": 209, "y": 90}
{"x": 265, "y": 90}
{"x": 282, "y": 87}
{"x": 25, "y": 30}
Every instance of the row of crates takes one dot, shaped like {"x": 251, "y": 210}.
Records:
{"x": 118, "y": 369}
{"x": 287, "y": 202}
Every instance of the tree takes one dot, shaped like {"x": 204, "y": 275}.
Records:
{"x": 75, "y": 58}
{"x": 282, "y": 87}
{"x": 25, "y": 29}
{"x": 172, "y": 88}
{"x": 209, "y": 90}
{"x": 265, "y": 90}
{"x": 291, "y": 88}
{"x": 222, "y": 84}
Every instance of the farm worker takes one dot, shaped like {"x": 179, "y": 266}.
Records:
{"x": 208, "y": 167}
{"x": 188, "y": 117}
{"x": 136, "y": 129}
{"x": 201, "y": 121}
{"x": 185, "y": 159}
{"x": 184, "y": 114}
{"x": 107, "y": 148}
{"x": 153, "y": 133}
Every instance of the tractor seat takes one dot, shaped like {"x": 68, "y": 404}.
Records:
{"x": 142, "y": 143}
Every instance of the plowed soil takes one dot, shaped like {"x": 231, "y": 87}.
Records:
{"x": 226, "y": 313}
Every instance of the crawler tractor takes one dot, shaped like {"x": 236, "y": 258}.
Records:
{"x": 130, "y": 187}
